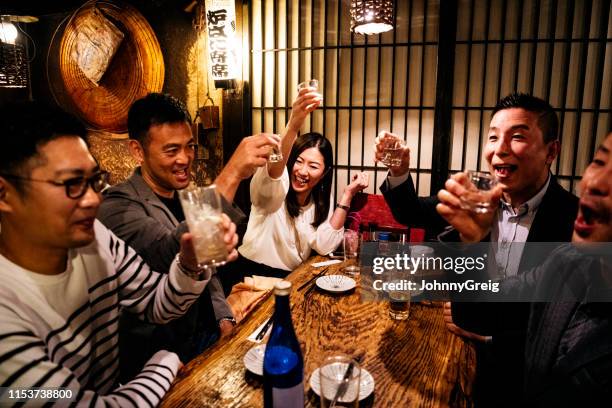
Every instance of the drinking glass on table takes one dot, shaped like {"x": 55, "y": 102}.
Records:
{"x": 352, "y": 244}
{"x": 399, "y": 294}
{"x": 392, "y": 150}
{"x": 478, "y": 195}
{"x": 424, "y": 271}
{"x": 339, "y": 377}
{"x": 202, "y": 208}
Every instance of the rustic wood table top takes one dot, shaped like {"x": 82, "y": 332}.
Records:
{"x": 415, "y": 362}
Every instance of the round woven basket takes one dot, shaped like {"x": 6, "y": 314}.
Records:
{"x": 136, "y": 69}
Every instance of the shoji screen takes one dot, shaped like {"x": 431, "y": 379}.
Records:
{"x": 560, "y": 51}
{"x": 369, "y": 84}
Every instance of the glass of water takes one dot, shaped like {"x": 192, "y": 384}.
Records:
{"x": 478, "y": 196}
{"x": 399, "y": 294}
{"x": 202, "y": 208}
{"x": 352, "y": 244}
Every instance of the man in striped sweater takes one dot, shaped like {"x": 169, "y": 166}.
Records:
{"x": 64, "y": 278}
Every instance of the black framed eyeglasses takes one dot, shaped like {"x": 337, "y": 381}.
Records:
{"x": 75, "y": 186}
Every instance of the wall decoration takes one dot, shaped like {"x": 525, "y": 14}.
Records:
{"x": 136, "y": 69}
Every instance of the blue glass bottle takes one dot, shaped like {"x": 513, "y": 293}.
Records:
{"x": 283, "y": 362}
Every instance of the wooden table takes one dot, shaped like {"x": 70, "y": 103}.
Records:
{"x": 415, "y": 362}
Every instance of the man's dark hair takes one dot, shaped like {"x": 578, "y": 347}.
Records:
{"x": 154, "y": 109}
{"x": 547, "y": 118}
{"x": 322, "y": 191}
{"x": 24, "y": 128}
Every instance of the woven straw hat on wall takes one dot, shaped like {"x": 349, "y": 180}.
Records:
{"x": 135, "y": 69}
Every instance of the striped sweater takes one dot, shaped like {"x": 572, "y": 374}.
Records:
{"x": 62, "y": 330}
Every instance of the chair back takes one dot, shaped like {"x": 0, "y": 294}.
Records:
{"x": 370, "y": 211}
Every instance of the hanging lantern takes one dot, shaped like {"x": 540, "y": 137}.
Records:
{"x": 13, "y": 58}
{"x": 222, "y": 49}
{"x": 8, "y": 31}
{"x": 371, "y": 16}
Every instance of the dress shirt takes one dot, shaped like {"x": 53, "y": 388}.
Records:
{"x": 513, "y": 226}
{"x": 394, "y": 181}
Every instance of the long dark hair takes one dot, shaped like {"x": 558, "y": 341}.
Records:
{"x": 322, "y": 191}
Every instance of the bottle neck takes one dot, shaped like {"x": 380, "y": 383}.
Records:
{"x": 282, "y": 311}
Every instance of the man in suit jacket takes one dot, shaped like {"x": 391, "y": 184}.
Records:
{"x": 521, "y": 145}
{"x": 146, "y": 213}
{"x": 568, "y": 344}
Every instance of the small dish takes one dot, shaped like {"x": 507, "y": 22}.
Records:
{"x": 254, "y": 358}
{"x": 366, "y": 383}
{"x": 336, "y": 283}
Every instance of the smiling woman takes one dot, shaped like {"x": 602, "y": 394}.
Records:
{"x": 292, "y": 212}
{"x": 310, "y": 164}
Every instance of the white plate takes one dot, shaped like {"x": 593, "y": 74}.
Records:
{"x": 336, "y": 283}
{"x": 366, "y": 385}
{"x": 254, "y": 358}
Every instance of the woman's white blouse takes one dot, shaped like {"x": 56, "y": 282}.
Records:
{"x": 270, "y": 237}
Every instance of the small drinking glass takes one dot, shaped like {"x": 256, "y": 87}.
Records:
{"x": 399, "y": 294}
{"x": 392, "y": 150}
{"x": 202, "y": 208}
{"x": 478, "y": 197}
{"x": 352, "y": 245}
{"x": 275, "y": 154}
{"x": 311, "y": 83}
{"x": 339, "y": 377}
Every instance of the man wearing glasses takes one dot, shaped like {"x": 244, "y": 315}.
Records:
{"x": 64, "y": 277}
{"x": 75, "y": 186}
{"x": 145, "y": 211}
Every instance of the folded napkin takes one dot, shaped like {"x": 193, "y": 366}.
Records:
{"x": 246, "y": 295}
{"x": 325, "y": 263}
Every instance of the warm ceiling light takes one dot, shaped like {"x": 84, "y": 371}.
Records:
{"x": 8, "y": 32}
{"x": 371, "y": 16}
{"x": 14, "y": 62}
